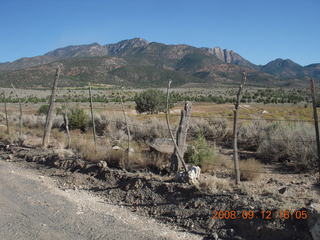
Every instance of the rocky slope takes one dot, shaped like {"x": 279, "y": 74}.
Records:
{"x": 137, "y": 62}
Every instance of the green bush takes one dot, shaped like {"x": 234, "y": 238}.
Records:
{"x": 200, "y": 153}
{"x": 150, "y": 101}
{"x": 43, "y": 109}
{"x": 78, "y": 119}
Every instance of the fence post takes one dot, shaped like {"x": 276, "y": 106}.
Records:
{"x": 48, "y": 125}
{"x": 6, "y": 112}
{"x": 66, "y": 123}
{"x": 178, "y": 155}
{"x": 235, "y": 130}
{"x": 20, "y": 110}
{"x": 315, "y": 117}
{"x": 128, "y": 131}
{"x": 92, "y": 117}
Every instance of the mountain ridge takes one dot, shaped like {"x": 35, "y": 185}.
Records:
{"x": 209, "y": 65}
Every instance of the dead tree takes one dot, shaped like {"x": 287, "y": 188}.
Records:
{"x": 179, "y": 142}
{"x": 20, "y": 110}
{"x": 6, "y": 112}
{"x": 92, "y": 117}
{"x": 49, "y": 118}
{"x": 128, "y": 131}
{"x": 235, "y": 130}
{"x": 315, "y": 117}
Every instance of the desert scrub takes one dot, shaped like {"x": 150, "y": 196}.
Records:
{"x": 201, "y": 154}
{"x": 292, "y": 143}
{"x": 211, "y": 129}
{"x": 149, "y": 129}
{"x": 250, "y": 169}
{"x": 251, "y": 134}
{"x": 38, "y": 121}
{"x": 101, "y": 123}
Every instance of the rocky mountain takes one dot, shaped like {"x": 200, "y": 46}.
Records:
{"x": 90, "y": 50}
{"x": 228, "y": 56}
{"x": 285, "y": 68}
{"x": 137, "y": 62}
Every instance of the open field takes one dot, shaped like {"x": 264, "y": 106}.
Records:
{"x": 277, "y": 160}
{"x": 250, "y": 111}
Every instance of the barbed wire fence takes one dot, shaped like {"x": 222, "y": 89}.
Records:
{"x": 267, "y": 119}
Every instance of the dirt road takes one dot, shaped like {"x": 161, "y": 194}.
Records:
{"x": 32, "y": 207}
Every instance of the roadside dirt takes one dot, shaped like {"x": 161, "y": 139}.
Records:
{"x": 180, "y": 205}
{"x": 32, "y": 207}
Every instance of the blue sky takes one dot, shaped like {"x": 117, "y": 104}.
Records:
{"x": 259, "y": 30}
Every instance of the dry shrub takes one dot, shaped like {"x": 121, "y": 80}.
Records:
{"x": 250, "y": 169}
{"x": 155, "y": 162}
{"x": 148, "y": 130}
{"x": 60, "y": 138}
{"x": 8, "y": 138}
{"x": 212, "y": 184}
{"x": 101, "y": 123}
{"x": 211, "y": 129}
{"x": 115, "y": 158}
{"x": 137, "y": 161}
{"x": 88, "y": 150}
{"x": 294, "y": 143}
{"x": 96, "y": 153}
{"x": 38, "y": 121}
{"x": 33, "y": 121}
{"x": 251, "y": 134}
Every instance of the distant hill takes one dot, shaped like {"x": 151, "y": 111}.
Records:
{"x": 139, "y": 63}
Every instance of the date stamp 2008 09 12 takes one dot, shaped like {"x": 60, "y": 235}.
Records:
{"x": 262, "y": 214}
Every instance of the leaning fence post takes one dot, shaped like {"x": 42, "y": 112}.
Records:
{"x": 92, "y": 117}
{"x": 20, "y": 109}
{"x": 315, "y": 117}
{"x": 178, "y": 154}
{"x": 6, "y": 112}
{"x": 48, "y": 125}
{"x": 128, "y": 130}
{"x": 235, "y": 130}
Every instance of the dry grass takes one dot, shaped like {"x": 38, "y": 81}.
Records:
{"x": 212, "y": 184}
{"x": 88, "y": 150}
{"x": 250, "y": 169}
{"x": 8, "y": 138}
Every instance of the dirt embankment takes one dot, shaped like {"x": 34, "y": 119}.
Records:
{"x": 159, "y": 197}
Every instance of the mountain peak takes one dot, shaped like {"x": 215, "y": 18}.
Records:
{"x": 120, "y": 47}
{"x": 229, "y": 56}
{"x": 284, "y": 67}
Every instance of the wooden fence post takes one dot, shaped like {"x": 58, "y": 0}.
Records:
{"x": 6, "y": 112}
{"x": 181, "y": 135}
{"x": 315, "y": 117}
{"x": 49, "y": 119}
{"x": 235, "y": 130}
{"x": 20, "y": 109}
{"x": 66, "y": 123}
{"x": 92, "y": 117}
{"x": 128, "y": 130}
